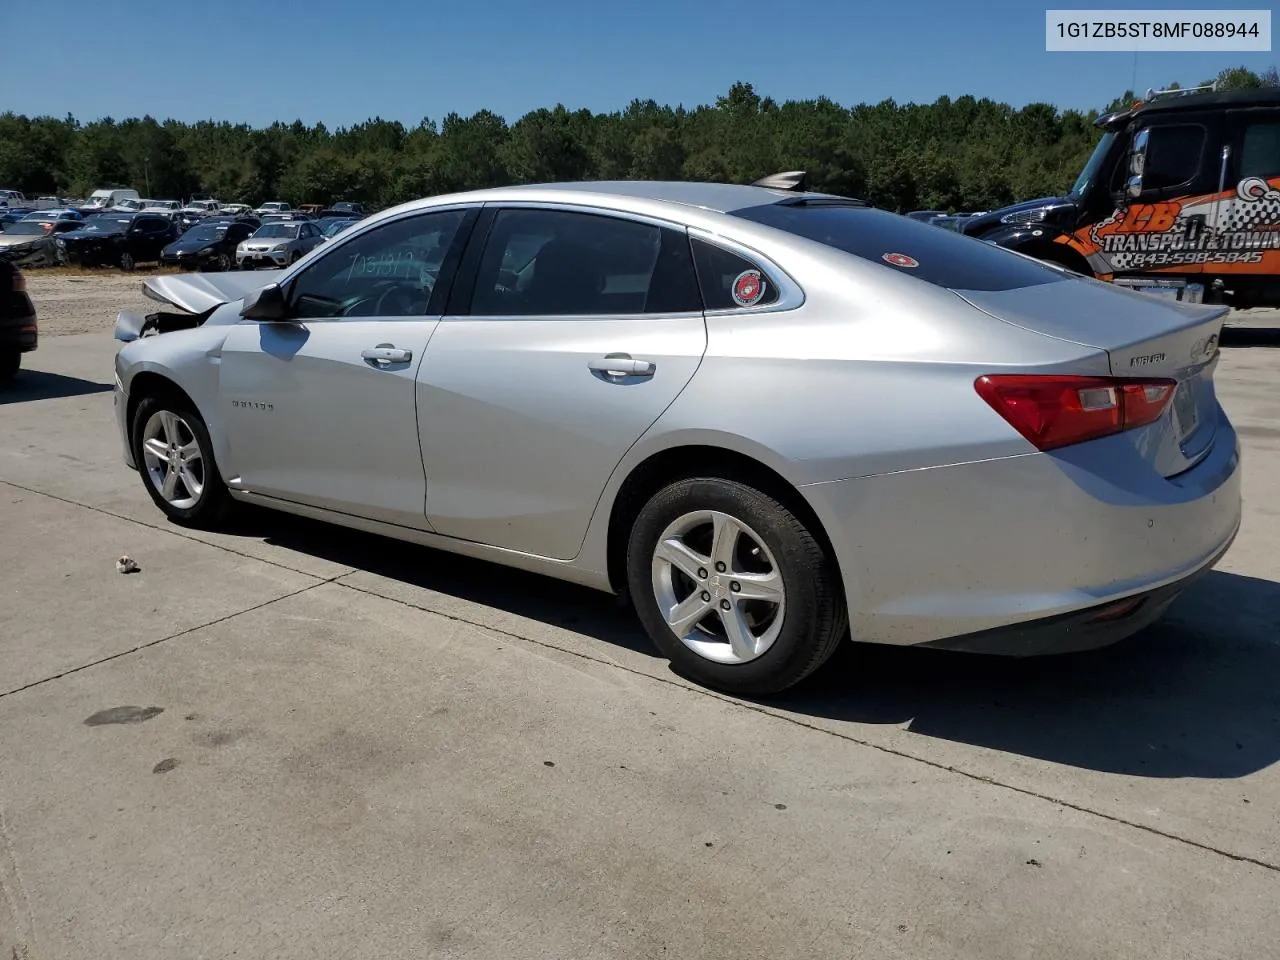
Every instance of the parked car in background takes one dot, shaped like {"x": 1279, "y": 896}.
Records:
{"x": 924, "y": 216}
{"x": 169, "y": 208}
{"x": 197, "y": 210}
{"x": 275, "y": 206}
{"x": 209, "y": 245}
{"x": 288, "y": 216}
{"x": 33, "y": 243}
{"x": 101, "y": 201}
{"x": 50, "y": 216}
{"x": 10, "y": 216}
{"x": 331, "y": 228}
{"x": 681, "y": 392}
{"x": 278, "y": 244}
{"x": 235, "y": 209}
{"x": 117, "y": 239}
{"x": 353, "y": 209}
{"x": 19, "y": 332}
{"x": 311, "y": 209}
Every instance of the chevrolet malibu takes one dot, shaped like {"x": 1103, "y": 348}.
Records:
{"x": 773, "y": 419}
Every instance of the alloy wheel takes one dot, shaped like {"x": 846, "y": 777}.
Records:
{"x": 173, "y": 461}
{"x": 718, "y": 587}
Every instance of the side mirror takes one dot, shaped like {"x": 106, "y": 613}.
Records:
{"x": 1137, "y": 163}
{"x": 267, "y": 304}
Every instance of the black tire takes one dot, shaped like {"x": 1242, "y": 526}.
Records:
{"x": 214, "y": 502}
{"x": 10, "y": 362}
{"x": 127, "y": 262}
{"x": 294, "y": 257}
{"x": 815, "y": 617}
{"x": 225, "y": 262}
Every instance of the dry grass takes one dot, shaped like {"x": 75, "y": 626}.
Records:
{"x": 71, "y": 270}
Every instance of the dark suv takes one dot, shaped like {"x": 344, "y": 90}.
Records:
{"x": 17, "y": 321}
{"x": 119, "y": 239}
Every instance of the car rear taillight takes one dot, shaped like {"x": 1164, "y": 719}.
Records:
{"x": 19, "y": 282}
{"x": 1055, "y": 411}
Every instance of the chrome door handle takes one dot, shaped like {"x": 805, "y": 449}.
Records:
{"x": 621, "y": 365}
{"x": 385, "y": 353}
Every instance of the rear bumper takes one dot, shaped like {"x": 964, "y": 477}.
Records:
{"x": 1027, "y": 542}
{"x": 1088, "y": 629}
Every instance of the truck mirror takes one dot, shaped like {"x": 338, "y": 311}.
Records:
{"x": 1137, "y": 163}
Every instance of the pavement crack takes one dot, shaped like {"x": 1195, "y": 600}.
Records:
{"x": 155, "y": 643}
{"x": 173, "y": 531}
{"x": 796, "y": 721}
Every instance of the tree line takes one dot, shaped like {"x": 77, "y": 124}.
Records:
{"x": 952, "y": 154}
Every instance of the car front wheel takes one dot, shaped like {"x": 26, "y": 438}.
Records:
{"x": 174, "y": 454}
{"x": 126, "y": 261}
{"x": 733, "y": 587}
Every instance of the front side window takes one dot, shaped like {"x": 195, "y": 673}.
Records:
{"x": 559, "y": 263}
{"x": 1173, "y": 156}
{"x": 390, "y": 271}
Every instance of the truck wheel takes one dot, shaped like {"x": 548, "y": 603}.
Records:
{"x": 10, "y": 361}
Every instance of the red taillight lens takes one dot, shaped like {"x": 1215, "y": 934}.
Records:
{"x": 1055, "y": 411}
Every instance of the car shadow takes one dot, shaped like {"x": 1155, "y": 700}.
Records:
{"x": 1197, "y": 694}
{"x": 513, "y": 591}
{"x": 39, "y": 385}
{"x": 1249, "y": 337}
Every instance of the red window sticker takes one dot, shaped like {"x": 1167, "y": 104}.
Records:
{"x": 900, "y": 260}
{"x": 748, "y": 288}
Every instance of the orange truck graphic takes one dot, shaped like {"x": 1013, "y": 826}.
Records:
{"x": 1181, "y": 197}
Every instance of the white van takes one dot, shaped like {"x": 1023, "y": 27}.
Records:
{"x": 106, "y": 199}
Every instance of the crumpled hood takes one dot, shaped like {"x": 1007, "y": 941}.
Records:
{"x": 200, "y": 292}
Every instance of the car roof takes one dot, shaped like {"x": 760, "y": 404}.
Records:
{"x": 717, "y": 197}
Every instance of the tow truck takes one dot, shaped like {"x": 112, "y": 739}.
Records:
{"x": 1180, "y": 198}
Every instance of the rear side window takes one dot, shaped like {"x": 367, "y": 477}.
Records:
{"x": 561, "y": 263}
{"x": 926, "y": 252}
{"x": 731, "y": 282}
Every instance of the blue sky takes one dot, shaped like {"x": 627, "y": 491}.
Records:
{"x": 343, "y": 61}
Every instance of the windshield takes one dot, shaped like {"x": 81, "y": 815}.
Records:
{"x": 337, "y": 225}
{"x": 1090, "y": 171}
{"x": 289, "y": 230}
{"x": 208, "y": 231}
{"x": 27, "y": 229}
{"x": 106, "y": 224}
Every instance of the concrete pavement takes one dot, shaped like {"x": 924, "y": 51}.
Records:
{"x": 370, "y": 749}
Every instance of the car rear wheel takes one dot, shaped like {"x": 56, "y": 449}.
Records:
{"x": 126, "y": 261}
{"x": 225, "y": 262}
{"x": 733, "y": 587}
{"x": 174, "y": 454}
{"x": 10, "y": 362}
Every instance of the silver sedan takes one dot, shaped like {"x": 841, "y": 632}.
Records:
{"x": 278, "y": 244}
{"x": 773, "y": 419}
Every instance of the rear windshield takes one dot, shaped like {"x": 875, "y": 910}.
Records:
{"x": 925, "y": 252}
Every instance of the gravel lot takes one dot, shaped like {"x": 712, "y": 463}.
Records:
{"x": 85, "y": 303}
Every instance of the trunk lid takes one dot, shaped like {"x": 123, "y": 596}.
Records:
{"x": 1144, "y": 337}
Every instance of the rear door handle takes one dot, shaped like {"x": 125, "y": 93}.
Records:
{"x": 385, "y": 353}
{"x": 621, "y": 365}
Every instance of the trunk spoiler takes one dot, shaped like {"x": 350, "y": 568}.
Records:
{"x": 196, "y": 296}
